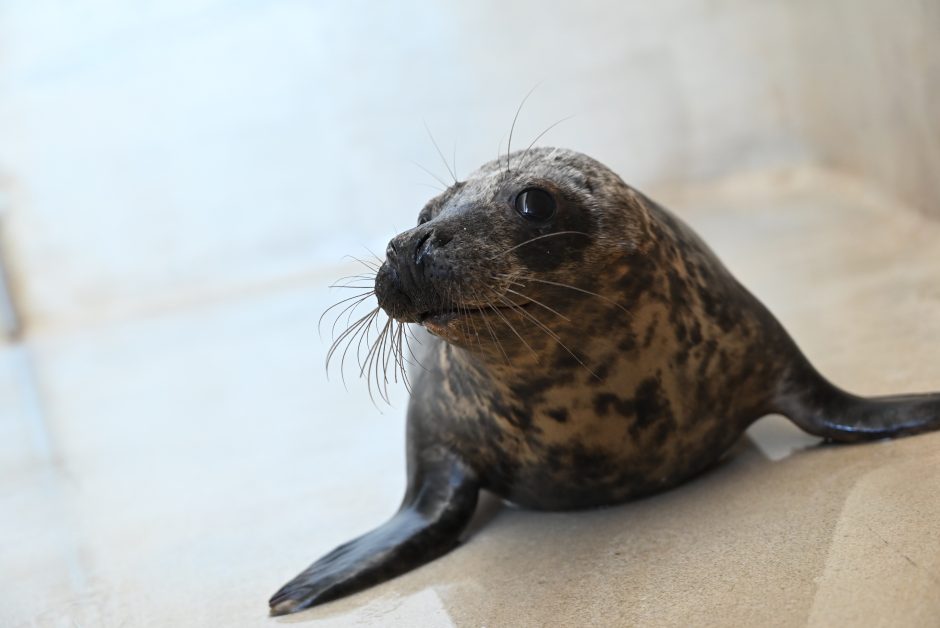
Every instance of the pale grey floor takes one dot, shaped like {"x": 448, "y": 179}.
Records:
{"x": 175, "y": 469}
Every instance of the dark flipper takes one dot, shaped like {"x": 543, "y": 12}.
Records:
{"x": 822, "y": 409}
{"x": 439, "y": 503}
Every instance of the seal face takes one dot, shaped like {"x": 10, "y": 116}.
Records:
{"x": 585, "y": 348}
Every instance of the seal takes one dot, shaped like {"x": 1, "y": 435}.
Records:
{"x": 585, "y": 348}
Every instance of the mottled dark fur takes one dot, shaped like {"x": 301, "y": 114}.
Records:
{"x": 582, "y": 361}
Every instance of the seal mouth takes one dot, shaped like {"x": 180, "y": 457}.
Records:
{"x": 438, "y": 318}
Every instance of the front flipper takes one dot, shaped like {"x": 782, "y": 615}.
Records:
{"x": 439, "y": 503}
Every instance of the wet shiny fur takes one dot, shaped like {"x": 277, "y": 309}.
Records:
{"x": 581, "y": 361}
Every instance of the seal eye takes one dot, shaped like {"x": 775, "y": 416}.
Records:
{"x": 535, "y": 204}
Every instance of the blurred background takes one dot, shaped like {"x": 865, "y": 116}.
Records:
{"x": 159, "y": 153}
{"x": 180, "y": 182}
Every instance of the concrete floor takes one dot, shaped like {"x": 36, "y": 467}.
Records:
{"x": 175, "y": 469}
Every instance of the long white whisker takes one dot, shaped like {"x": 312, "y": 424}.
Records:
{"x": 537, "y": 302}
{"x": 548, "y": 331}
{"x": 577, "y": 289}
{"x": 441, "y": 154}
{"x": 541, "y": 237}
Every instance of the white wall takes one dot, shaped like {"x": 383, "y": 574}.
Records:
{"x": 867, "y": 91}
{"x": 159, "y": 156}
{"x": 9, "y": 320}
{"x": 197, "y": 148}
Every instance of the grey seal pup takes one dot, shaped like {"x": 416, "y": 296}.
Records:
{"x": 586, "y": 348}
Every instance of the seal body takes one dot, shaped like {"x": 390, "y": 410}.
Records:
{"x": 643, "y": 398}
{"x": 585, "y": 348}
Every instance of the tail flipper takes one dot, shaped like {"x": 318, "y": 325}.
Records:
{"x": 822, "y": 409}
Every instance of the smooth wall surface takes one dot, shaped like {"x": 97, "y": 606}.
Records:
{"x": 159, "y": 156}
{"x": 188, "y": 150}
{"x": 867, "y": 91}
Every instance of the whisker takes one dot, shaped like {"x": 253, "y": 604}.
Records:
{"x": 489, "y": 327}
{"x": 386, "y": 356}
{"x": 476, "y": 332}
{"x": 351, "y": 308}
{"x": 570, "y": 287}
{"x": 361, "y": 324}
{"x": 537, "y": 302}
{"x": 378, "y": 260}
{"x": 373, "y": 362}
{"x": 539, "y": 136}
{"x": 541, "y": 237}
{"x": 357, "y": 277}
{"x": 414, "y": 357}
{"x": 456, "y": 303}
{"x": 548, "y": 331}
{"x": 396, "y": 337}
{"x": 347, "y": 333}
{"x": 499, "y": 155}
{"x": 513, "y": 127}
{"x": 470, "y": 322}
{"x": 510, "y": 325}
{"x": 344, "y": 282}
{"x": 368, "y": 363}
{"x": 402, "y": 335}
{"x": 362, "y": 332}
{"x": 436, "y": 178}
{"x": 428, "y": 185}
{"x": 438, "y": 149}
{"x": 392, "y": 357}
{"x": 337, "y": 304}
{"x": 387, "y": 351}
{"x": 369, "y": 265}
{"x": 360, "y": 361}
{"x": 344, "y": 286}
{"x": 381, "y": 362}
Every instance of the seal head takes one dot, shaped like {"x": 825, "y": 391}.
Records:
{"x": 480, "y": 240}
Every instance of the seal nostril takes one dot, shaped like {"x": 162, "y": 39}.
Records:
{"x": 422, "y": 248}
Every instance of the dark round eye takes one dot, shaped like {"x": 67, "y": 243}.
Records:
{"x": 535, "y": 204}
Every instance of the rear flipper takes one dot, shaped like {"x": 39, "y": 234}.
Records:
{"x": 822, "y": 409}
{"x": 437, "y": 507}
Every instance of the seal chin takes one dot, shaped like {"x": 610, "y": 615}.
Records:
{"x": 438, "y": 319}
{"x": 451, "y": 325}
{"x": 440, "y": 324}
